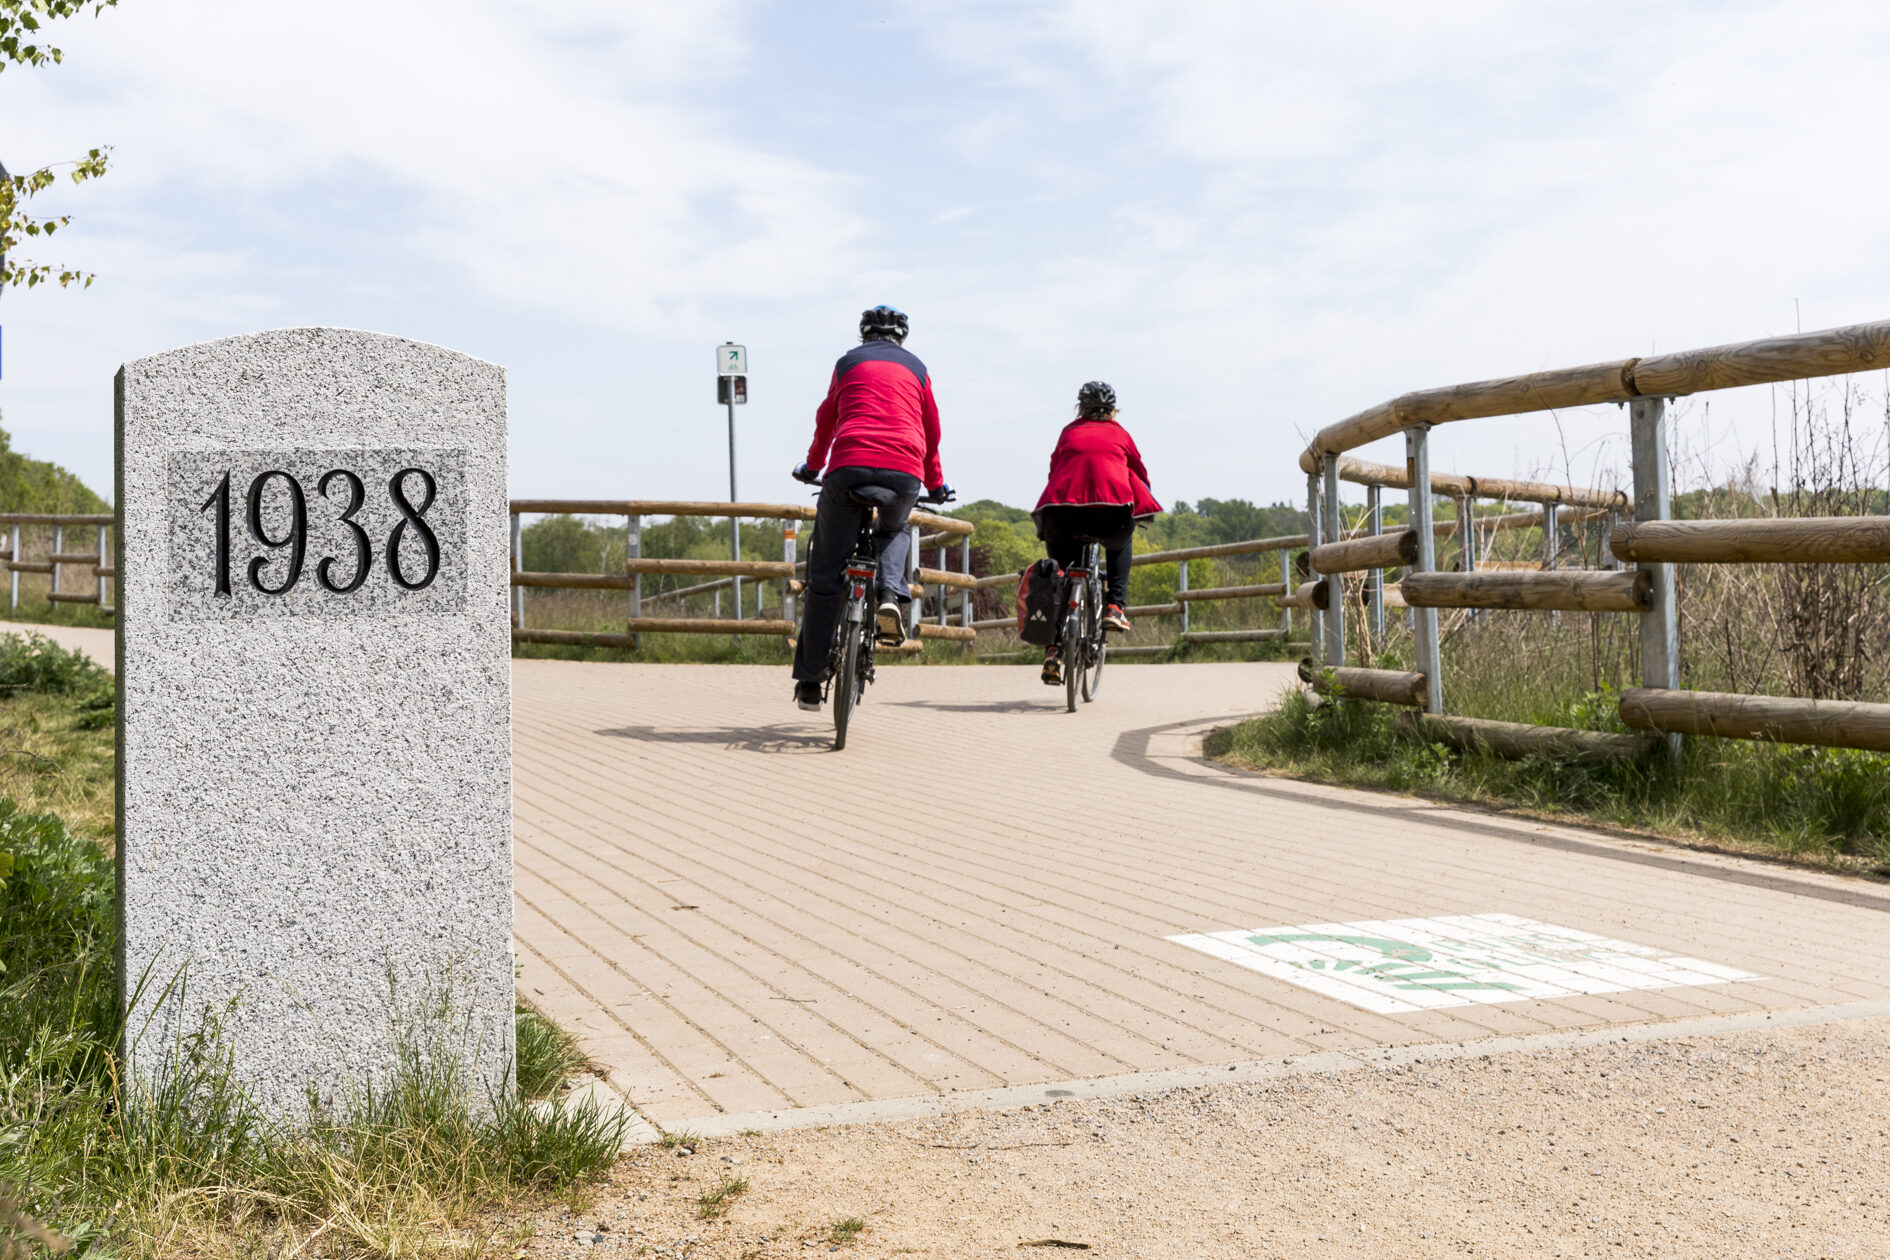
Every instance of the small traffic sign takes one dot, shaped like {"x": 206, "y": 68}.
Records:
{"x": 731, "y": 390}
{"x": 731, "y": 359}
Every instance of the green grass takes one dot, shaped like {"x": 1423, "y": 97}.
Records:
{"x": 844, "y": 1230}
{"x": 1825, "y": 804}
{"x": 716, "y": 1202}
{"x": 57, "y": 754}
{"x": 548, "y": 1056}
{"x": 183, "y": 1162}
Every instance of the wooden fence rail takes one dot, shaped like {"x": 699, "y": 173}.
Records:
{"x": 57, "y": 562}
{"x": 1651, "y": 541}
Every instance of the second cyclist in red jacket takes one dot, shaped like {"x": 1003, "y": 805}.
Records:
{"x": 1098, "y": 489}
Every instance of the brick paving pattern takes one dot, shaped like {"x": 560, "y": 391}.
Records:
{"x": 977, "y": 893}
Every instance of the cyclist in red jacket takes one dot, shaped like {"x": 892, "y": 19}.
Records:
{"x": 878, "y": 426}
{"x": 1098, "y": 489}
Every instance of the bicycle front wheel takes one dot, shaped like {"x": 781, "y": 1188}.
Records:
{"x": 846, "y": 681}
{"x": 1098, "y": 650}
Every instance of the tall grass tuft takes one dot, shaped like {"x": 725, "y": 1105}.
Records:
{"x": 181, "y": 1157}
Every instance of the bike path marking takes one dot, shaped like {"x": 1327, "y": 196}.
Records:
{"x": 1393, "y": 966}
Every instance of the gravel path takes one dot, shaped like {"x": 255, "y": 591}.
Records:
{"x": 1770, "y": 1143}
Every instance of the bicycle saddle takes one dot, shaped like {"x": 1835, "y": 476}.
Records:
{"x": 881, "y": 497}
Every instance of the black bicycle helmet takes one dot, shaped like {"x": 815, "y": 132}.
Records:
{"x": 883, "y": 323}
{"x": 1096, "y": 399}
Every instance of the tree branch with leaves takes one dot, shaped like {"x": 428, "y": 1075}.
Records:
{"x": 21, "y": 45}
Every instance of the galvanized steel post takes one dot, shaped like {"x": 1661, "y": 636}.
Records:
{"x": 1315, "y": 625}
{"x": 1653, "y": 501}
{"x": 1181, "y": 587}
{"x": 1417, "y": 458}
{"x": 518, "y": 565}
{"x": 1334, "y": 531}
{"x": 1375, "y": 578}
{"x": 964, "y": 596}
{"x": 789, "y": 533}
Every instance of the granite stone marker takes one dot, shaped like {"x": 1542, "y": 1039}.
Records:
{"x": 315, "y": 791}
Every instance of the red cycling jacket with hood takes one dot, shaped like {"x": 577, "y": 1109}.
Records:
{"x": 879, "y": 413}
{"x": 1096, "y": 463}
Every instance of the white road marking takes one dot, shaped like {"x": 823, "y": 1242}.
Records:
{"x": 1392, "y": 966}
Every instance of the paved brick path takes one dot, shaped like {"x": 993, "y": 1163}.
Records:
{"x": 743, "y": 925}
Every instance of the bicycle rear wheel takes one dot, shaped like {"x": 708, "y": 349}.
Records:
{"x": 1075, "y": 650}
{"x": 846, "y": 679}
{"x": 1098, "y": 641}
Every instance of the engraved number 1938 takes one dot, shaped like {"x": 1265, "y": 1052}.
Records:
{"x": 294, "y": 538}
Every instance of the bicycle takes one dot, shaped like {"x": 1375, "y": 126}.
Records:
{"x": 856, "y": 633}
{"x": 1085, "y": 637}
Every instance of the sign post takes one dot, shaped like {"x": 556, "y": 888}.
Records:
{"x": 314, "y": 741}
{"x": 731, "y": 380}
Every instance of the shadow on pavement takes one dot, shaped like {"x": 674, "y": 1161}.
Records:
{"x": 760, "y": 739}
{"x": 992, "y": 706}
{"x": 1132, "y": 750}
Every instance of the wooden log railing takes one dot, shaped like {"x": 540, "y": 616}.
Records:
{"x": 1565, "y": 590}
{"x": 1517, "y": 740}
{"x": 1650, "y": 540}
{"x": 1802, "y": 540}
{"x": 58, "y": 562}
{"x": 723, "y": 574}
{"x": 1389, "y": 686}
{"x": 1800, "y": 356}
{"x": 1785, "y": 719}
{"x": 1455, "y": 486}
{"x": 1385, "y": 551}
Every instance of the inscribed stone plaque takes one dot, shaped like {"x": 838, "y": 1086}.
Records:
{"x": 315, "y": 725}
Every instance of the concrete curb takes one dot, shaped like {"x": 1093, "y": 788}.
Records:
{"x": 1012, "y": 1097}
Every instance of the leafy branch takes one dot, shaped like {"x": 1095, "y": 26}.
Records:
{"x": 20, "y": 23}
{"x": 20, "y": 20}
{"x": 15, "y": 223}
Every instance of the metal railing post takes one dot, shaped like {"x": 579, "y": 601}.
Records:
{"x": 1286, "y": 580}
{"x": 98, "y": 569}
{"x": 1181, "y": 588}
{"x": 1608, "y": 559}
{"x": 1653, "y": 501}
{"x": 1417, "y": 458}
{"x": 518, "y": 566}
{"x": 1334, "y": 529}
{"x": 14, "y": 559}
{"x": 964, "y": 596}
{"x": 1466, "y": 538}
{"x": 944, "y": 566}
{"x": 1315, "y": 625}
{"x": 789, "y": 534}
{"x": 1375, "y": 578}
{"x": 735, "y": 553}
{"x": 915, "y": 610}
{"x": 58, "y": 545}
{"x": 1551, "y": 540}
{"x": 633, "y": 549}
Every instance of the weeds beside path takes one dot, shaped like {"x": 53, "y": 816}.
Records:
{"x": 1828, "y": 807}
{"x": 184, "y": 1163}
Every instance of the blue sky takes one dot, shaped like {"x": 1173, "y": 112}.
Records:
{"x": 1251, "y": 218}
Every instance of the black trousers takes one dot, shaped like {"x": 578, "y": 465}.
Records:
{"x": 836, "y": 528}
{"x": 1067, "y": 530}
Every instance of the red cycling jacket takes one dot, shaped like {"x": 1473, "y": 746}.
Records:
{"x": 879, "y": 413}
{"x": 1096, "y": 463}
